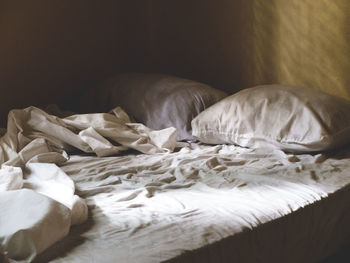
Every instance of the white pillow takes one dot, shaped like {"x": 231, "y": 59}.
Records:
{"x": 290, "y": 118}
{"x": 158, "y": 101}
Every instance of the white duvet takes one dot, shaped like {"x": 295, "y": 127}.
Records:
{"x": 153, "y": 208}
{"x": 38, "y": 203}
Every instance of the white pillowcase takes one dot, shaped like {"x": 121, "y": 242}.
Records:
{"x": 289, "y": 118}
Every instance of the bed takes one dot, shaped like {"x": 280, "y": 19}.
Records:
{"x": 212, "y": 196}
{"x": 208, "y": 204}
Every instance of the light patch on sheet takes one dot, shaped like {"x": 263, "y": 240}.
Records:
{"x": 154, "y": 208}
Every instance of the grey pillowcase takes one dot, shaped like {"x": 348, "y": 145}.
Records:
{"x": 158, "y": 101}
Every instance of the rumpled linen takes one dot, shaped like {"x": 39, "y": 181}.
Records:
{"x": 37, "y": 199}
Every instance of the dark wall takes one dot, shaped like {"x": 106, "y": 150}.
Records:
{"x": 51, "y": 50}
{"x": 202, "y": 39}
{"x": 234, "y": 44}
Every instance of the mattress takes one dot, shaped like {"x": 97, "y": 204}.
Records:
{"x": 208, "y": 204}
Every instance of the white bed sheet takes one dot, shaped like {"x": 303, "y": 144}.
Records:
{"x": 34, "y": 144}
{"x": 153, "y": 208}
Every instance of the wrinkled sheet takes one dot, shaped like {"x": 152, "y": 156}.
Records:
{"x": 153, "y": 208}
{"x": 35, "y": 144}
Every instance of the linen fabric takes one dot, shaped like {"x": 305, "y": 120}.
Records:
{"x": 44, "y": 204}
{"x": 29, "y": 223}
{"x": 290, "y": 118}
{"x": 203, "y": 203}
{"x": 158, "y": 101}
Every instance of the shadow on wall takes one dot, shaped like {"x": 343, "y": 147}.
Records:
{"x": 203, "y": 40}
{"x": 236, "y": 44}
{"x": 51, "y": 50}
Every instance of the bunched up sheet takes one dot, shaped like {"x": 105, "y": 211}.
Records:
{"x": 37, "y": 199}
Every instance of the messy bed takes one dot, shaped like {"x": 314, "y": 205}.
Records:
{"x": 261, "y": 175}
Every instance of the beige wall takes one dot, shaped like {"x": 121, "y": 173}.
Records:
{"x": 51, "y": 50}
{"x": 237, "y": 44}
{"x": 309, "y": 42}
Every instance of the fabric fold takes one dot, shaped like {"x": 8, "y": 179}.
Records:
{"x": 32, "y": 149}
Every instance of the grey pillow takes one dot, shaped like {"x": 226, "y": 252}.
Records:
{"x": 158, "y": 101}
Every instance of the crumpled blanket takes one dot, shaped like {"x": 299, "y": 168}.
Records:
{"x": 37, "y": 199}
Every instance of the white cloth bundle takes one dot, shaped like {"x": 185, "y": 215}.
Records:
{"x": 30, "y": 152}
